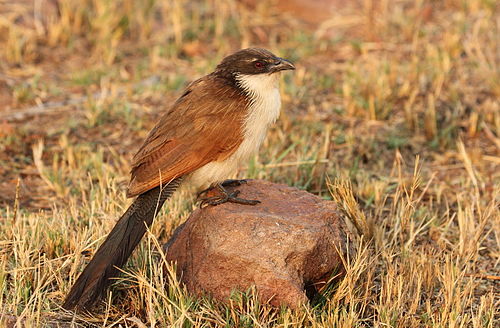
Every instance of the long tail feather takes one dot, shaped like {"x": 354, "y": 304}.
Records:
{"x": 117, "y": 247}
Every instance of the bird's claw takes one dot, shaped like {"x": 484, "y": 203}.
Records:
{"x": 225, "y": 196}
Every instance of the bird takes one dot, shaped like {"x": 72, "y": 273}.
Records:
{"x": 217, "y": 124}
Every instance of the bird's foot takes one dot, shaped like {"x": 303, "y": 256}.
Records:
{"x": 225, "y": 196}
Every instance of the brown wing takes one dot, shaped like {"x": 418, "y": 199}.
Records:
{"x": 204, "y": 125}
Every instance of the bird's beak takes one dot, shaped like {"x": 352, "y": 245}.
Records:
{"x": 282, "y": 64}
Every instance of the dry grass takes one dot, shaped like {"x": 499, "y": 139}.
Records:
{"x": 393, "y": 112}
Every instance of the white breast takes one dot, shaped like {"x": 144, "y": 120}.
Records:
{"x": 264, "y": 109}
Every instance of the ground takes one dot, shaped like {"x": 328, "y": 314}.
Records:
{"x": 393, "y": 112}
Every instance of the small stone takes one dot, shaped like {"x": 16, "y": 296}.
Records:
{"x": 283, "y": 246}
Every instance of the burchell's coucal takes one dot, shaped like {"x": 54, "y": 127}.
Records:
{"x": 217, "y": 124}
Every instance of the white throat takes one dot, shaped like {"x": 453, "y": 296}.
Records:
{"x": 264, "y": 109}
{"x": 265, "y": 103}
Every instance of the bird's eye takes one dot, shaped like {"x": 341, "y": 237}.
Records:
{"x": 258, "y": 64}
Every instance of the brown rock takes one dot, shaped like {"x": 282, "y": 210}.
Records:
{"x": 283, "y": 246}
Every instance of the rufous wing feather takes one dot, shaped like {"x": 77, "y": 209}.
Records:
{"x": 208, "y": 124}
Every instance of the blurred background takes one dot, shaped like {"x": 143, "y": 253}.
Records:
{"x": 373, "y": 77}
{"x": 392, "y": 99}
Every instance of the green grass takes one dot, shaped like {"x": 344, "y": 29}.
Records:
{"x": 393, "y": 114}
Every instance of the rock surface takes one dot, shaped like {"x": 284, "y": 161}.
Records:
{"x": 284, "y": 246}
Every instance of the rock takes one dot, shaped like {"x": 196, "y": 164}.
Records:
{"x": 286, "y": 246}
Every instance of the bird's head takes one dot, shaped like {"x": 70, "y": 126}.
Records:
{"x": 253, "y": 61}
{"x": 253, "y": 69}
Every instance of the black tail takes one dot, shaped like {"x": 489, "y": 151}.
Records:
{"x": 117, "y": 247}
